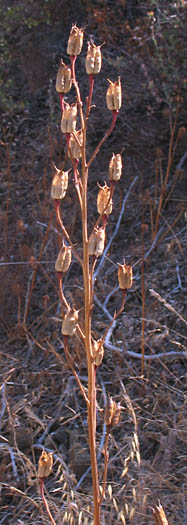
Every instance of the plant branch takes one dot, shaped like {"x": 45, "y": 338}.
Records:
{"x": 107, "y": 134}
{"x": 45, "y": 501}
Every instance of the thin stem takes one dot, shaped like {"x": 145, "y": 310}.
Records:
{"x": 45, "y": 501}
{"x": 169, "y": 164}
{"x": 61, "y": 98}
{"x": 106, "y": 456}
{"x": 73, "y": 60}
{"x": 88, "y": 342}
{"x": 107, "y": 134}
{"x": 65, "y": 233}
{"x": 89, "y": 100}
{"x": 62, "y": 297}
{"x": 70, "y": 363}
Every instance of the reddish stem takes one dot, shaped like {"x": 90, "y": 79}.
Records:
{"x": 89, "y": 100}
{"x": 45, "y": 501}
{"x": 61, "y": 97}
{"x": 62, "y": 298}
{"x": 107, "y": 134}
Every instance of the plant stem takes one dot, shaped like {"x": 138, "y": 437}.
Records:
{"x": 107, "y": 134}
{"x": 45, "y": 501}
{"x": 65, "y": 233}
{"x": 89, "y": 100}
{"x": 106, "y": 455}
{"x": 88, "y": 342}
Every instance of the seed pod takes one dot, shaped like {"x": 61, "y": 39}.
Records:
{"x": 75, "y": 41}
{"x": 93, "y": 59}
{"x": 96, "y": 242}
{"x": 97, "y": 351}
{"x": 45, "y": 464}
{"x": 64, "y": 259}
{"x": 115, "y": 167}
{"x": 63, "y": 79}
{"x": 59, "y": 184}
{"x": 159, "y": 515}
{"x": 112, "y": 413}
{"x": 68, "y": 122}
{"x": 70, "y": 321}
{"x": 74, "y": 147}
{"x": 125, "y": 276}
{"x": 113, "y": 95}
{"x": 104, "y": 201}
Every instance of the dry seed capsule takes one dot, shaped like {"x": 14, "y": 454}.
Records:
{"x": 75, "y": 41}
{"x": 70, "y": 322}
{"x": 74, "y": 147}
{"x": 45, "y": 464}
{"x": 93, "y": 59}
{"x": 63, "y": 79}
{"x": 96, "y": 242}
{"x": 64, "y": 259}
{"x": 110, "y": 411}
{"x": 97, "y": 351}
{"x": 68, "y": 122}
{"x": 113, "y": 95}
{"x": 59, "y": 184}
{"x": 115, "y": 167}
{"x": 125, "y": 276}
{"x": 104, "y": 201}
{"x": 117, "y": 413}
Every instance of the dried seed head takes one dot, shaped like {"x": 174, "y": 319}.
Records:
{"x": 96, "y": 242}
{"x": 75, "y": 41}
{"x": 69, "y": 116}
{"x": 125, "y": 276}
{"x": 45, "y": 464}
{"x": 93, "y": 59}
{"x": 115, "y": 167}
{"x": 63, "y": 79}
{"x": 104, "y": 201}
{"x": 97, "y": 351}
{"x": 112, "y": 413}
{"x": 70, "y": 322}
{"x": 59, "y": 184}
{"x": 113, "y": 95}
{"x": 64, "y": 259}
{"x": 74, "y": 147}
{"x": 159, "y": 515}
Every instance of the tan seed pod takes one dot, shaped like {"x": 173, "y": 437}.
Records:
{"x": 75, "y": 41}
{"x": 45, "y": 464}
{"x": 70, "y": 321}
{"x": 93, "y": 59}
{"x": 74, "y": 147}
{"x": 159, "y": 515}
{"x": 104, "y": 201}
{"x": 69, "y": 116}
{"x": 116, "y": 417}
{"x": 112, "y": 412}
{"x": 109, "y": 411}
{"x": 63, "y": 79}
{"x": 114, "y": 95}
{"x": 59, "y": 184}
{"x": 96, "y": 242}
{"x": 125, "y": 276}
{"x": 64, "y": 259}
{"x": 97, "y": 351}
{"x": 115, "y": 167}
